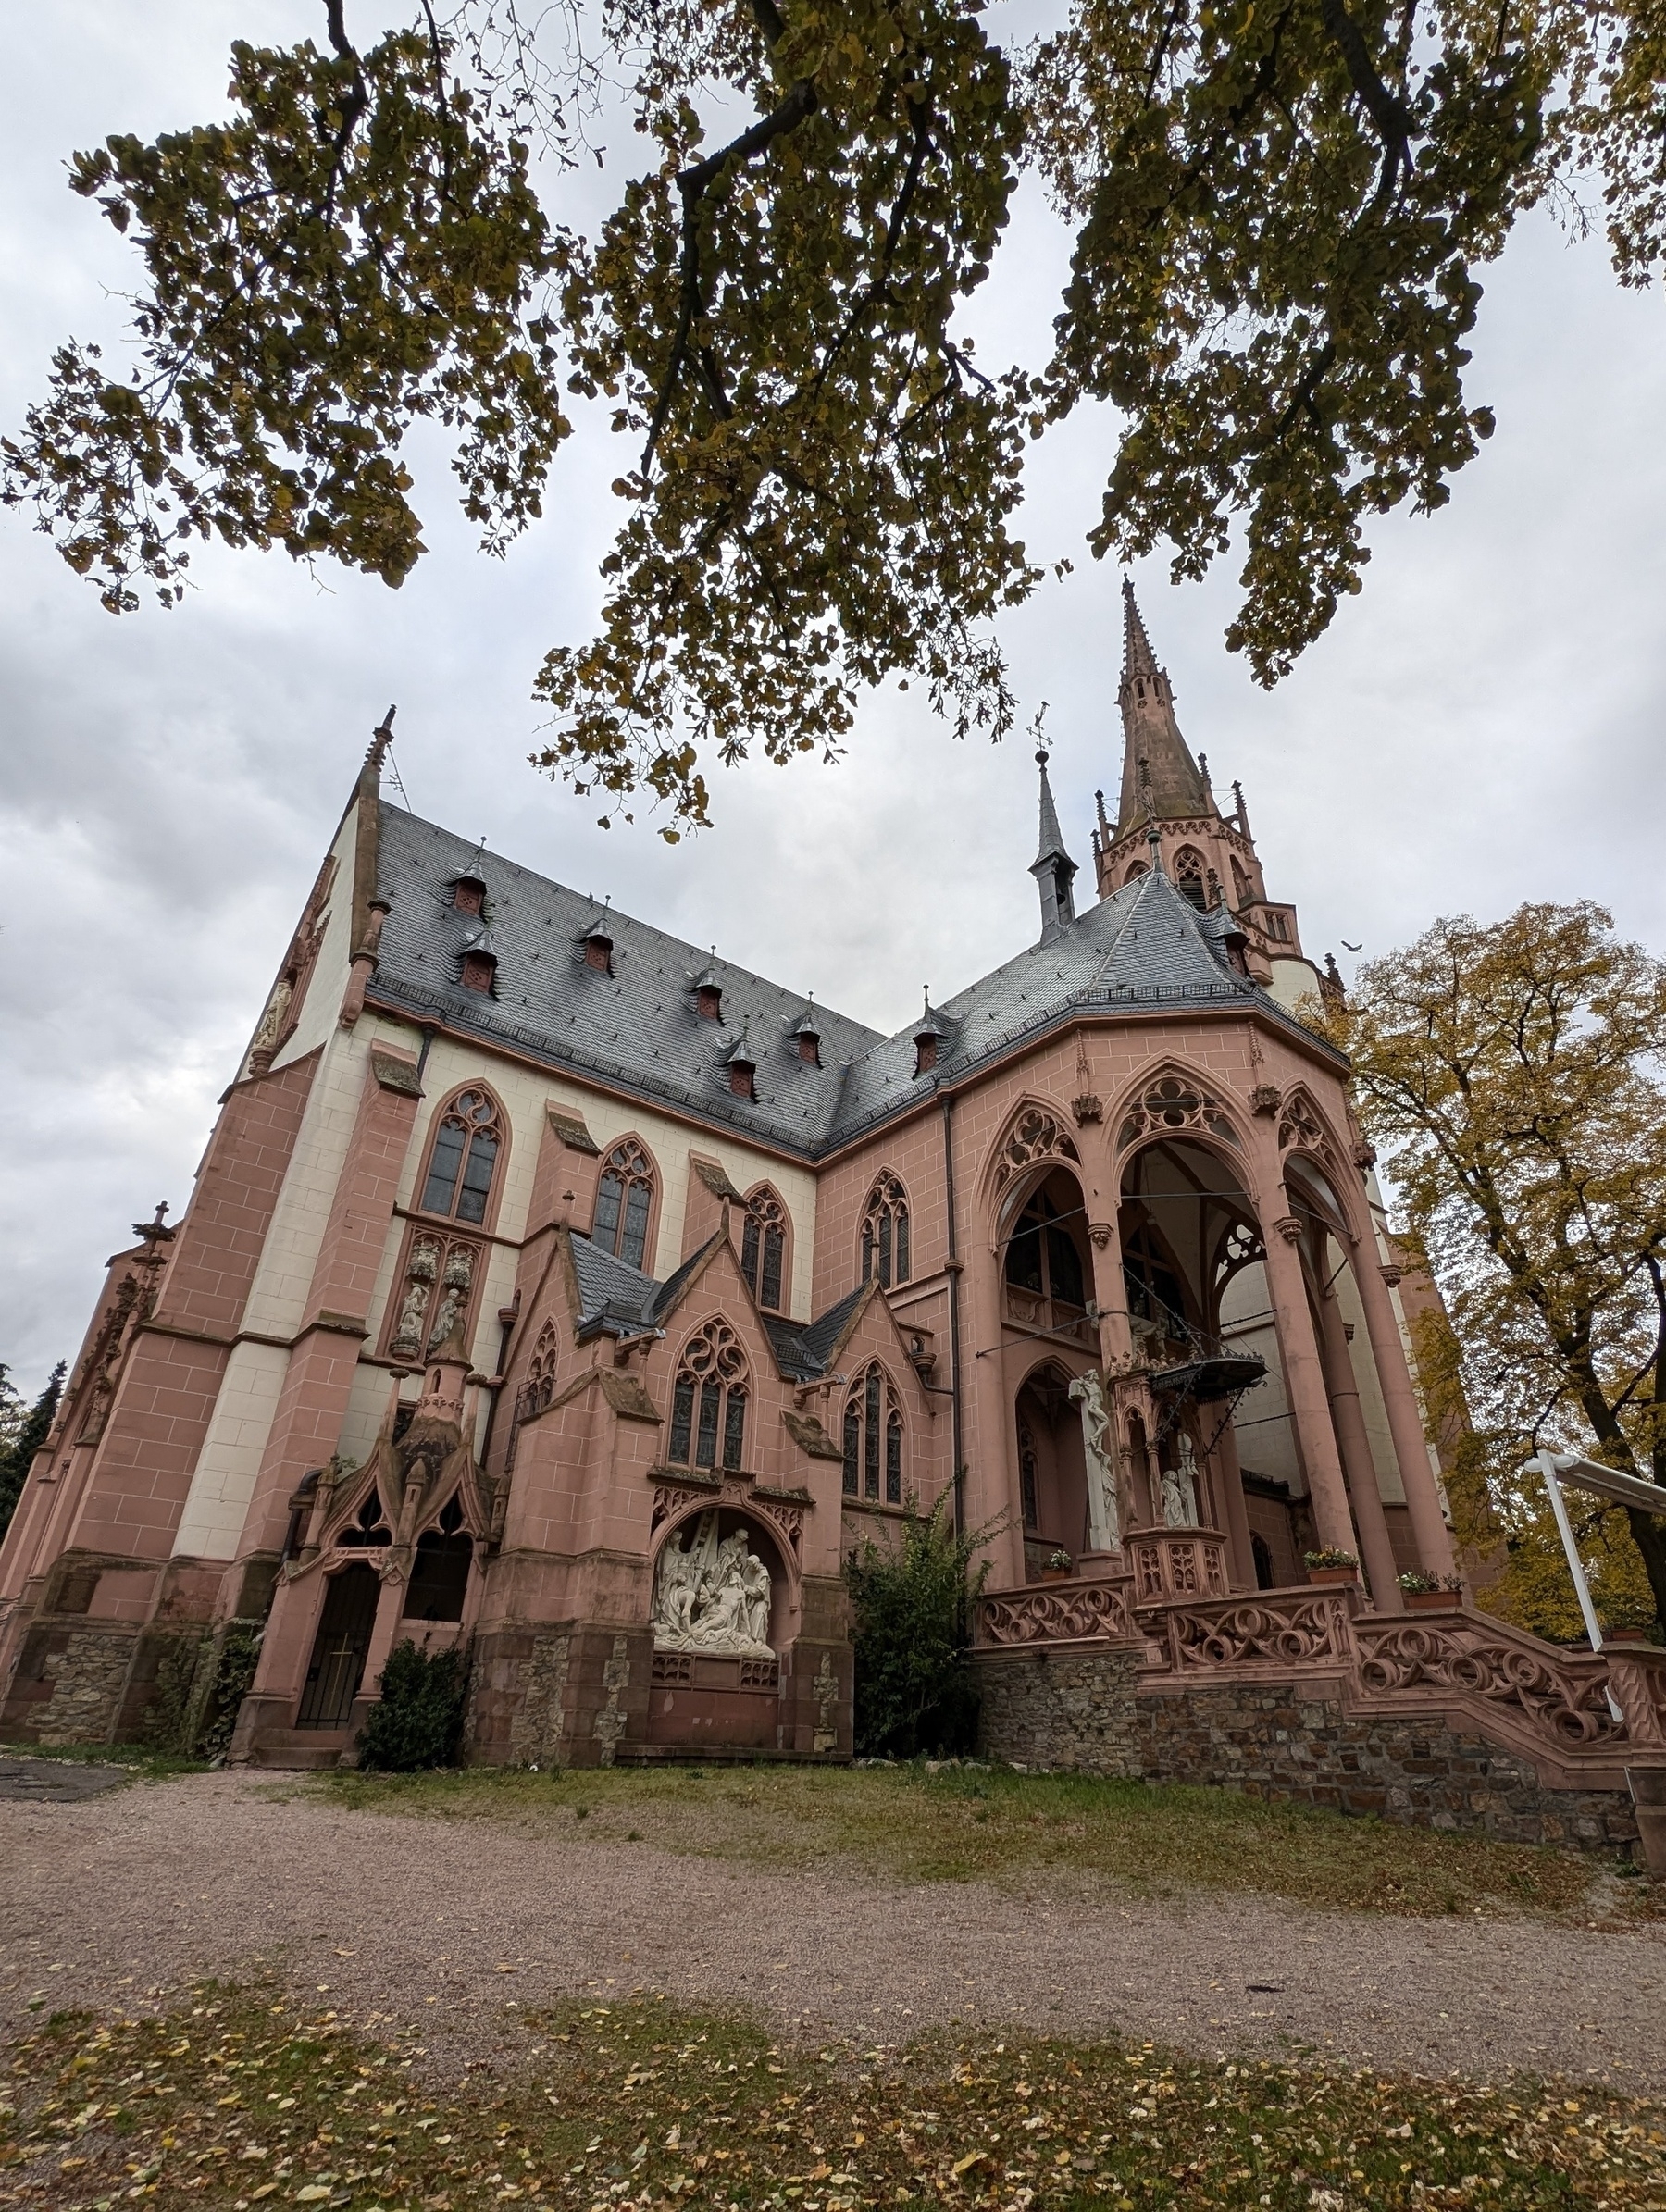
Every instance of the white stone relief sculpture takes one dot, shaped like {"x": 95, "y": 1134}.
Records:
{"x": 1180, "y": 1485}
{"x": 1099, "y": 1448}
{"x": 711, "y": 1596}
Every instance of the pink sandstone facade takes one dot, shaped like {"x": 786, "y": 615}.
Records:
{"x": 550, "y": 1290}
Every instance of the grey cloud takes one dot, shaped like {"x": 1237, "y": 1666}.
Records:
{"x": 1483, "y": 726}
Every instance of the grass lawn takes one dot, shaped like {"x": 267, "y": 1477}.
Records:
{"x": 966, "y": 1824}
{"x": 143, "y": 1760}
{"x": 243, "y": 2100}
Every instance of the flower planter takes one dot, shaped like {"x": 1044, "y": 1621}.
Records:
{"x": 1625, "y": 1635}
{"x": 1430, "y": 1601}
{"x": 1332, "y": 1578}
{"x": 1057, "y": 1575}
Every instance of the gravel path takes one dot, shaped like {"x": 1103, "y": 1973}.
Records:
{"x": 122, "y": 1898}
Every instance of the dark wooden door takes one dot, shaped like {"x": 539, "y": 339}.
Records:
{"x": 339, "y": 1649}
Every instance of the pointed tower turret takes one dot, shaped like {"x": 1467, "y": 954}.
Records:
{"x": 1157, "y": 768}
{"x": 1168, "y": 820}
{"x": 1053, "y": 868}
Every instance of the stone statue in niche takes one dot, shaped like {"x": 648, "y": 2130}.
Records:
{"x": 271, "y": 1022}
{"x": 1099, "y": 1451}
{"x": 454, "y": 1290}
{"x": 711, "y": 1596}
{"x": 421, "y": 1271}
{"x": 1180, "y": 1485}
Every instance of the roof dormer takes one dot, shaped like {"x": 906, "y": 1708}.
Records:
{"x": 742, "y": 1068}
{"x": 480, "y": 963}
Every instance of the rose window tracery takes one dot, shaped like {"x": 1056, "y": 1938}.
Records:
{"x": 1170, "y": 1105}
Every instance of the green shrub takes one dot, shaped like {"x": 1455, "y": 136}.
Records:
{"x": 913, "y": 1607}
{"x": 419, "y": 1720}
{"x": 233, "y": 1678}
{"x": 170, "y": 1720}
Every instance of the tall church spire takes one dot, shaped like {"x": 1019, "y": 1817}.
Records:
{"x": 1053, "y": 868}
{"x": 1159, "y": 772}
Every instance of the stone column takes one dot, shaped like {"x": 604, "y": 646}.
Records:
{"x": 1305, "y": 1388}
{"x": 994, "y": 1448}
{"x": 1229, "y": 1480}
{"x": 1375, "y": 1546}
{"x": 1110, "y": 1292}
{"x": 1405, "y": 1422}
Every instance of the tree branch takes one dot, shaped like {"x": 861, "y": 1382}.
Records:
{"x": 693, "y": 184}
{"x": 1390, "y": 115}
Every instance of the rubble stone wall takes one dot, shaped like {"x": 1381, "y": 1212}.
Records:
{"x": 1082, "y": 1710}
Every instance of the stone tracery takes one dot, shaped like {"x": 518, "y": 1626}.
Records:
{"x": 1034, "y": 1134}
{"x": 1172, "y": 1103}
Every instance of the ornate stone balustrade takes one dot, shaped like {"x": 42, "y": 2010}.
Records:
{"x": 1060, "y": 1612}
{"x": 1557, "y": 1693}
{"x": 1282, "y": 1627}
{"x": 1178, "y": 1562}
{"x": 1459, "y": 1668}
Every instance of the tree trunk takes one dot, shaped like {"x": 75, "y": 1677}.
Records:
{"x": 1648, "y": 1531}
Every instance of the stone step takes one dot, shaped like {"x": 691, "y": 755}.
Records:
{"x": 302, "y": 1749}
{"x": 718, "y": 1755}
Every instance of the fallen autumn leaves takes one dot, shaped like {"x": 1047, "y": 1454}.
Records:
{"x": 243, "y": 2101}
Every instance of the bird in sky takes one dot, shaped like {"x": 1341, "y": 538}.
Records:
{"x": 1348, "y": 948}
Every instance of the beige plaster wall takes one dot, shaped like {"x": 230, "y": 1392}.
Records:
{"x": 223, "y": 1482}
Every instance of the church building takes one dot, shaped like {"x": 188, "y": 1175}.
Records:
{"x": 552, "y": 1287}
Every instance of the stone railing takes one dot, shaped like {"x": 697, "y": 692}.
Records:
{"x": 1279, "y": 1628}
{"x": 1057, "y": 1612}
{"x": 1558, "y": 1693}
{"x": 1573, "y": 1708}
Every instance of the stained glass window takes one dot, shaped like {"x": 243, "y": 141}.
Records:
{"x": 873, "y": 1439}
{"x": 624, "y": 1200}
{"x": 708, "y": 1401}
{"x": 885, "y": 1244}
{"x": 764, "y": 1248}
{"x": 464, "y": 1153}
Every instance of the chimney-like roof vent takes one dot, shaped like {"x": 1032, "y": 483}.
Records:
{"x": 743, "y": 1067}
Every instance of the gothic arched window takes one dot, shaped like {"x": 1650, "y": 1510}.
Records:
{"x": 1240, "y": 886}
{"x": 1029, "y": 1486}
{"x": 541, "y": 1376}
{"x": 1043, "y": 1257}
{"x": 1189, "y": 876}
{"x": 885, "y": 1233}
{"x": 1155, "y": 1293}
{"x": 466, "y": 1144}
{"x": 764, "y": 1248}
{"x": 1138, "y": 869}
{"x": 624, "y": 1202}
{"x": 873, "y": 1438}
{"x": 708, "y": 1402}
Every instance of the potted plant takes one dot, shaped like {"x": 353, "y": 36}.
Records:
{"x": 1429, "y": 1592}
{"x": 1058, "y": 1567}
{"x": 1332, "y": 1567}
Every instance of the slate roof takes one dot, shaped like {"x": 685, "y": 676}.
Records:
{"x": 803, "y": 1353}
{"x": 639, "y": 1027}
{"x": 621, "y": 1299}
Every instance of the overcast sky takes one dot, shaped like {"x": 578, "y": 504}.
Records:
{"x": 1483, "y": 726}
